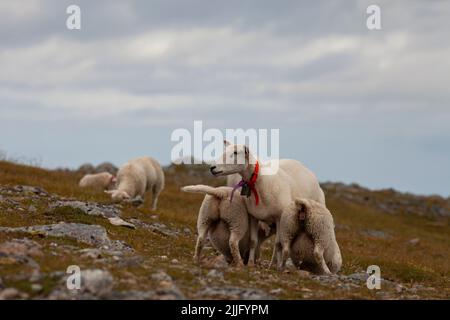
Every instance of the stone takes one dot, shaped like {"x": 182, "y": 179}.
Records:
{"x": 116, "y": 221}
{"x": 234, "y": 293}
{"x": 21, "y": 247}
{"x": 214, "y": 274}
{"x": 9, "y": 293}
{"x": 96, "y": 282}
{"x": 414, "y": 242}
{"x": 376, "y": 234}
{"x": 94, "y": 235}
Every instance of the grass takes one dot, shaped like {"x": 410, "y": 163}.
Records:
{"x": 426, "y": 263}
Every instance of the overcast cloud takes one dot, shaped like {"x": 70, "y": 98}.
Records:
{"x": 354, "y": 105}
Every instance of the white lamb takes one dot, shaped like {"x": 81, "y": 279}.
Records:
{"x": 100, "y": 181}
{"x": 267, "y": 194}
{"x": 136, "y": 177}
{"x": 226, "y": 223}
{"x": 307, "y": 236}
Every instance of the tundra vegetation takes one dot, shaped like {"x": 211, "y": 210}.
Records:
{"x": 407, "y": 236}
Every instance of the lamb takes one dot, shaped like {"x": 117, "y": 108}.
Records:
{"x": 307, "y": 236}
{"x": 267, "y": 194}
{"x": 136, "y": 177}
{"x": 226, "y": 223}
{"x": 100, "y": 181}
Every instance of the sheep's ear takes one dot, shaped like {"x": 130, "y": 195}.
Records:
{"x": 113, "y": 179}
{"x": 109, "y": 191}
{"x": 226, "y": 143}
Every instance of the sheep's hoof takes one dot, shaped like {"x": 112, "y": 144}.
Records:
{"x": 196, "y": 259}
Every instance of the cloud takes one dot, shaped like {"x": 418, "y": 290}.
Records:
{"x": 260, "y": 63}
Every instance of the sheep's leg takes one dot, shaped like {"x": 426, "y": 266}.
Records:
{"x": 276, "y": 248}
{"x": 318, "y": 256}
{"x": 202, "y": 231}
{"x": 253, "y": 241}
{"x": 234, "y": 248}
{"x": 284, "y": 255}
{"x": 156, "y": 190}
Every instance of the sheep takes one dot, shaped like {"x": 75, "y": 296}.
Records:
{"x": 136, "y": 177}
{"x": 307, "y": 236}
{"x": 101, "y": 181}
{"x": 268, "y": 194}
{"x": 226, "y": 223}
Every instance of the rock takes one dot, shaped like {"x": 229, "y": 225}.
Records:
{"x": 9, "y": 293}
{"x": 116, "y": 221}
{"x": 91, "y": 253}
{"x": 32, "y": 209}
{"x": 414, "y": 242}
{"x": 21, "y": 247}
{"x": 94, "y": 235}
{"x": 30, "y": 190}
{"x": 215, "y": 274}
{"x": 96, "y": 282}
{"x": 376, "y": 234}
{"x": 86, "y": 168}
{"x": 90, "y": 208}
{"x": 174, "y": 261}
{"x": 276, "y": 291}
{"x": 36, "y": 287}
{"x": 360, "y": 276}
{"x": 106, "y": 167}
{"x": 234, "y": 293}
{"x": 161, "y": 276}
{"x": 156, "y": 227}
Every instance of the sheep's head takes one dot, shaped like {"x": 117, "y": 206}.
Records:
{"x": 235, "y": 158}
{"x": 118, "y": 195}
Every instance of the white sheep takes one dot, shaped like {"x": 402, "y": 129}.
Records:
{"x": 307, "y": 236}
{"x": 269, "y": 193}
{"x": 100, "y": 181}
{"x": 136, "y": 177}
{"x": 226, "y": 223}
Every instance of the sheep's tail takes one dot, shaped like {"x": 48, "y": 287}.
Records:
{"x": 200, "y": 188}
{"x": 302, "y": 206}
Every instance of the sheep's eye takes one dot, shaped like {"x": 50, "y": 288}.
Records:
{"x": 235, "y": 153}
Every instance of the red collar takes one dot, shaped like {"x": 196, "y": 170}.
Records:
{"x": 250, "y": 184}
{"x": 254, "y": 176}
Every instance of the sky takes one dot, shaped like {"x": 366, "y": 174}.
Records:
{"x": 352, "y": 104}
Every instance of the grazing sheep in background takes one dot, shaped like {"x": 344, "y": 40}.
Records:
{"x": 100, "y": 181}
{"x": 307, "y": 236}
{"x": 268, "y": 194}
{"x": 136, "y": 177}
{"x": 226, "y": 223}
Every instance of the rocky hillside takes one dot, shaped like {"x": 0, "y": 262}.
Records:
{"x": 47, "y": 224}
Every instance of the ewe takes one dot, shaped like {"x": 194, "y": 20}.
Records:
{"x": 267, "y": 195}
{"x": 136, "y": 177}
